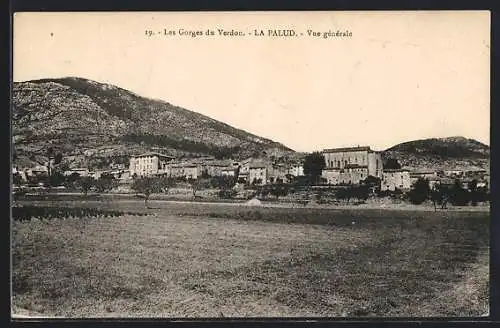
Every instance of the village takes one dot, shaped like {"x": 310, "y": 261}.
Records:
{"x": 348, "y": 167}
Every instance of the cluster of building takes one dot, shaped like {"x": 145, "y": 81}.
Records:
{"x": 343, "y": 166}
{"x": 118, "y": 171}
{"x": 352, "y": 165}
{"x": 246, "y": 171}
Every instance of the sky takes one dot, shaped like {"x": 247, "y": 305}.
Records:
{"x": 400, "y": 76}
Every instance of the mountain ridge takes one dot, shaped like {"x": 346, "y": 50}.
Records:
{"x": 72, "y": 112}
{"x": 89, "y": 120}
{"x": 447, "y": 153}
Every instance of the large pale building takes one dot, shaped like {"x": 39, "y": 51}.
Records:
{"x": 351, "y": 165}
{"x": 149, "y": 164}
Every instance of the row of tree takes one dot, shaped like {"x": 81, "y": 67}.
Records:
{"x": 441, "y": 195}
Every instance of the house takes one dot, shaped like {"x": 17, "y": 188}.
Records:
{"x": 277, "y": 173}
{"x": 117, "y": 166}
{"x": 482, "y": 184}
{"x": 331, "y": 175}
{"x": 349, "y": 174}
{"x": 453, "y": 173}
{"x": 148, "y": 164}
{"x": 258, "y": 173}
{"x": 356, "y": 160}
{"x": 39, "y": 170}
{"x": 296, "y": 170}
{"x": 81, "y": 171}
{"x": 395, "y": 179}
{"x": 21, "y": 173}
{"x": 212, "y": 167}
{"x": 183, "y": 170}
{"x": 124, "y": 175}
{"x": 244, "y": 170}
{"x": 228, "y": 171}
{"x": 423, "y": 174}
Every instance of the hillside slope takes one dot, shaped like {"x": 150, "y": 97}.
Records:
{"x": 441, "y": 154}
{"x": 77, "y": 116}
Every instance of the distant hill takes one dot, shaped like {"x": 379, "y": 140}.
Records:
{"x": 441, "y": 153}
{"x": 86, "y": 119}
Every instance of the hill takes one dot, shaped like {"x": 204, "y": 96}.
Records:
{"x": 441, "y": 154}
{"x": 90, "y": 121}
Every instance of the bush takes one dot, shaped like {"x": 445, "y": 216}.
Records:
{"x": 227, "y": 193}
{"x": 458, "y": 195}
{"x": 420, "y": 191}
{"x": 21, "y": 213}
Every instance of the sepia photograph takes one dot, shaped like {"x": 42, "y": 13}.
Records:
{"x": 322, "y": 164}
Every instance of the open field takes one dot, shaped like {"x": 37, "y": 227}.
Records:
{"x": 213, "y": 260}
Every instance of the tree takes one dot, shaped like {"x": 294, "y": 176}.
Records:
{"x": 85, "y": 183}
{"x": 361, "y": 192}
{"x": 420, "y": 191}
{"x": 17, "y": 178}
{"x": 197, "y": 184}
{"x": 147, "y": 186}
{"x": 223, "y": 182}
{"x": 50, "y": 154}
{"x": 167, "y": 182}
{"x": 58, "y": 158}
{"x": 106, "y": 182}
{"x": 279, "y": 189}
{"x": 372, "y": 182}
{"x": 56, "y": 178}
{"x": 392, "y": 164}
{"x": 472, "y": 186}
{"x": 458, "y": 195}
{"x": 344, "y": 193}
{"x": 439, "y": 196}
{"x": 204, "y": 174}
{"x": 314, "y": 164}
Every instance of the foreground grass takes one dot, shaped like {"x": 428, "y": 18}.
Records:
{"x": 209, "y": 260}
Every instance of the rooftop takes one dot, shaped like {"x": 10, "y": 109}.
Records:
{"x": 355, "y": 166}
{"x": 347, "y": 149}
{"x": 419, "y": 172}
{"x": 396, "y": 170}
{"x": 152, "y": 153}
{"x": 256, "y": 165}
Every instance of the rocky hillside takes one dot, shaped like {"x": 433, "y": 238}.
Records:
{"x": 83, "y": 119}
{"x": 441, "y": 154}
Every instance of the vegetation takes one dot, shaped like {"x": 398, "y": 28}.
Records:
{"x": 22, "y": 213}
{"x": 147, "y": 186}
{"x": 392, "y": 164}
{"x": 204, "y": 260}
{"x": 420, "y": 191}
{"x": 454, "y": 147}
{"x": 106, "y": 182}
{"x": 347, "y": 193}
{"x": 182, "y": 144}
{"x": 314, "y": 164}
{"x": 85, "y": 184}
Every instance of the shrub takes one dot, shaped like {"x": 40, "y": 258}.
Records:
{"x": 21, "y": 213}
{"x": 420, "y": 191}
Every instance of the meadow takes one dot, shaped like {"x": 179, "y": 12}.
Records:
{"x": 216, "y": 260}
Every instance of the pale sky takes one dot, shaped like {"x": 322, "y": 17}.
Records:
{"x": 401, "y": 76}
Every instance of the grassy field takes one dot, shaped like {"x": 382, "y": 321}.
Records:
{"x": 210, "y": 260}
